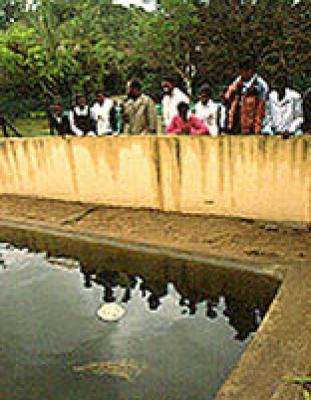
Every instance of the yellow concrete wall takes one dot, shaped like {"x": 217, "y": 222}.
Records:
{"x": 255, "y": 177}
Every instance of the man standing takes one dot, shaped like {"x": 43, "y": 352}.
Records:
{"x": 139, "y": 112}
{"x": 208, "y": 111}
{"x": 247, "y": 97}
{"x": 284, "y": 112}
{"x": 81, "y": 121}
{"x": 104, "y": 114}
{"x": 172, "y": 97}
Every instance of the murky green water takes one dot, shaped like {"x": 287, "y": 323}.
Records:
{"x": 184, "y": 328}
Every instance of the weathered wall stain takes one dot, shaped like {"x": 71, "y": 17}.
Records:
{"x": 261, "y": 178}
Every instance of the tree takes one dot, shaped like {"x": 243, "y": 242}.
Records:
{"x": 167, "y": 39}
{"x": 11, "y": 11}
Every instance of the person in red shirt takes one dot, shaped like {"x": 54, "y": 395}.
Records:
{"x": 185, "y": 123}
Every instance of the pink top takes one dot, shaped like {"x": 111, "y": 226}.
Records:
{"x": 193, "y": 125}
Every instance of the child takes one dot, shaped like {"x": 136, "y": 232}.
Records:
{"x": 185, "y": 123}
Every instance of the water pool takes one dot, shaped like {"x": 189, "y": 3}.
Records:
{"x": 183, "y": 331}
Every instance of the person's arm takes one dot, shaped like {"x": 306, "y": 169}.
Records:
{"x": 261, "y": 106}
{"x": 67, "y": 125}
{"x": 152, "y": 117}
{"x": 165, "y": 112}
{"x": 173, "y": 127}
{"x": 113, "y": 118}
{"x": 93, "y": 113}
{"x": 93, "y": 121}
{"x": 222, "y": 118}
{"x": 198, "y": 127}
{"x": 297, "y": 122}
{"x": 74, "y": 129}
{"x": 259, "y": 116}
{"x": 268, "y": 119}
{"x": 184, "y": 97}
{"x": 233, "y": 89}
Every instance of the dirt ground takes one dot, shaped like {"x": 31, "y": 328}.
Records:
{"x": 239, "y": 239}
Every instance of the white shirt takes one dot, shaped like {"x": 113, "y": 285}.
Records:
{"x": 84, "y": 111}
{"x": 101, "y": 114}
{"x": 208, "y": 113}
{"x": 170, "y": 103}
{"x": 285, "y": 115}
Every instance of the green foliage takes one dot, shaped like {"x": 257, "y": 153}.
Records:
{"x": 304, "y": 381}
{"x": 11, "y": 11}
{"x": 61, "y": 47}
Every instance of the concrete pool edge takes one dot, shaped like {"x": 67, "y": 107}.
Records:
{"x": 273, "y": 271}
{"x": 274, "y": 352}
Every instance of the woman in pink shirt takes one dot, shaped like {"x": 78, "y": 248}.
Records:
{"x": 185, "y": 123}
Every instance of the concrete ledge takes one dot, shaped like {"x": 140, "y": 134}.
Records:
{"x": 265, "y": 178}
{"x": 281, "y": 347}
{"x": 59, "y": 241}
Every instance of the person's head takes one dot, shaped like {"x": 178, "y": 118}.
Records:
{"x": 81, "y": 101}
{"x": 100, "y": 97}
{"x": 183, "y": 109}
{"x": 168, "y": 85}
{"x": 133, "y": 89}
{"x": 247, "y": 68}
{"x": 205, "y": 94}
{"x": 281, "y": 83}
{"x": 57, "y": 109}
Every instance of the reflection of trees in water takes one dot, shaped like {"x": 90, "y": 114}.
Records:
{"x": 194, "y": 286}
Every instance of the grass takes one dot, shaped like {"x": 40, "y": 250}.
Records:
{"x": 304, "y": 382}
{"x": 30, "y": 127}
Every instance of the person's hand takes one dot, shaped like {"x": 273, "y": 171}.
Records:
{"x": 125, "y": 118}
{"x": 239, "y": 84}
{"x": 286, "y": 135}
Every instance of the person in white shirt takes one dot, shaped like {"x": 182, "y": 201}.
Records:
{"x": 80, "y": 118}
{"x": 104, "y": 114}
{"x": 284, "y": 112}
{"x": 208, "y": 111}
{"x": 172, "y": 97}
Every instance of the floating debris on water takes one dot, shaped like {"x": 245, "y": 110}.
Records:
{"x": 111, "y": 312}
{"x": 64, "y": 262}
{"x": 126, "y": 369}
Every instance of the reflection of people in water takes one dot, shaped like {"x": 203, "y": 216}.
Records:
{"x": 210, "y": 308}
{"x": 157, "y": 289}
{"x": 87, "y": 280}
{"x": 108, "y": 279}
{"x": 87, "y": 275}
{"x": 128, "y": 283}
{"x": 111, "y": 279}
{"x": 194, "y": 285}
{"x": 241, "y": 316}
{"x": 154, "y": 302}
{"x": 191, "y": 289}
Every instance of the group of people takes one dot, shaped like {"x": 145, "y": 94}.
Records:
{"x": 247, "y": 106}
